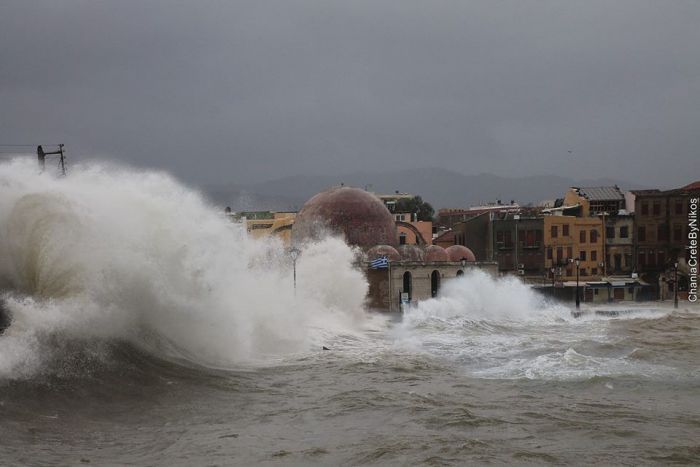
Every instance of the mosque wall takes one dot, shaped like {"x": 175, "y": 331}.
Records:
{"x": 426, "y": 279}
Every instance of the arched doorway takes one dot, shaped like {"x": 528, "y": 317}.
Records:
{"x": 460, "y": 273}
{"x": 407, "y": 284}
{"x": 434, "y": 283}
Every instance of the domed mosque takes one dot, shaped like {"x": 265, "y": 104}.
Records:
{"x": 410, "y": 272}
{"x": 356, "y": 214}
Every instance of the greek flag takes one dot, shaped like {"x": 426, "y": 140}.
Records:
{"x": 380, "y": 263}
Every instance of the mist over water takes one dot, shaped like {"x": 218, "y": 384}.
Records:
{"x": 109, "y": 253}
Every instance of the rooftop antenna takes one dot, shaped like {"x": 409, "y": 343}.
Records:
{"x": 41, "y": 157}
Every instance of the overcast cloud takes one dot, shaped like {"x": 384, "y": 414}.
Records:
{"x": 241, "y": 91}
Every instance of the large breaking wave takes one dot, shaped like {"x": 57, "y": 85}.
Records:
{"x": 111, "y": 254}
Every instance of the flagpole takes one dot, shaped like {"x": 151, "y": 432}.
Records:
{"x": 391, "y": 291}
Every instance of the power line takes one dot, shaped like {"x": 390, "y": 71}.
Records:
{"x": 26, "y": 145}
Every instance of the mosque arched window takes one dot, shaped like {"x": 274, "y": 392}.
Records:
{"x": 434, "y": 283}
{"x": 407, "y": 283}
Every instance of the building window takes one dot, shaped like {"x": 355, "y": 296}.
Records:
{"x": 569, "y": 252}
{"x": 582, "y": 236}
{"x": 538, "y": 236}
{"x": 555, "y": 231}
{"x": 651, "y": 257}
{"x": 657, "y": 208}
{"x": 645, "y": 208}
{"x": 624, "y": 232}
{"x": 530, "y": 238}
{"x": 549, "y": 252}
{"x": 582, "y": 255}
{"x": 402, "y": 238}
{"x": 662, "y": 258}
{"x": 434, "y": 283}
{"x": 407, "y": 283}
{"x": 610, "y": 232}
{"x": 594, "y": 236}
{"x": 594, "y": 255}
{"x": 565, "y": 230}
{"x": 642, "y": 259}
{"x": 677, "y": 233}
{"x": 560, "y": 254}
{"x": 662, "y": 233}
{"x": 583, "y": 272}
{"x": 679, "y": 207}
{"x": 508, "y": 239}
{"x": 641, "y": 234}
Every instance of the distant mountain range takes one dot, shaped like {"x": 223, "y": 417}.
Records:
{"x": 441, "y": 188}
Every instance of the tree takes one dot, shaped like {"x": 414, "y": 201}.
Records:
{"x": 416, "y": 205}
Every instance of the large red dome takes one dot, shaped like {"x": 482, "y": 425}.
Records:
{"x": 383, "y": 250}
{"x": 411, "y": 253}
{"x": 357, "y": 214}
{"x": 457, "y": 252}
{"x": 435, "y": 253}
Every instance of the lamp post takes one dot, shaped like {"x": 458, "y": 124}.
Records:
{"x": 294, "y": 254}
{"x": 516, "y": 217}
{"x": 578, "y": 299}
{"x": 552, "y": 270}
{"x": 675, "y": 284}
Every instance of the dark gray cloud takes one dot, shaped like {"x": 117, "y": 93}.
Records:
{"x": 239, "y": 91}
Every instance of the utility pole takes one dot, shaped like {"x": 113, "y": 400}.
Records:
{"x": 516, "y": 217}
{"x": 675, "y": 284}
{"x": 41, "y": 157}
{"x": 577, "y": 261}
{"x": 605, "y": 248}
{"x": 294, "y": 254}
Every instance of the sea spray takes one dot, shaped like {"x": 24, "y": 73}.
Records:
{"x": 478, "y": 296}
{"x": 501, "y": 328}
{"x": 111, "y": 253}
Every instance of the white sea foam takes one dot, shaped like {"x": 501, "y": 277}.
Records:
{"x": 111, "y": 253}
{"x": 501, "y": 328}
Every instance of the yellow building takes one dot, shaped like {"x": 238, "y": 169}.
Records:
{"x": 264, "y": 223}
{"x": 567, "y": 238}
{"x": 594, "y": 201}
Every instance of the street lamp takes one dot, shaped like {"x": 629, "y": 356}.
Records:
{"x": 463, "y": 262}
{"x": 675, "y": 284}
{"x": 578, "y": 299}
{"x": 553, "y": 271}
{"x": 294, "y": 254}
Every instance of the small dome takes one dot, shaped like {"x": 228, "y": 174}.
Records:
{"x": 383, "y": 250}
{"x": 411, "y": 253}
{"x": 457, "y": 252}
{"x": 360, "y": 216}
{"x": 435, "y": 253}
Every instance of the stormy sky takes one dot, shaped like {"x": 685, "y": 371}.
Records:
{"x": 242, "y": 91}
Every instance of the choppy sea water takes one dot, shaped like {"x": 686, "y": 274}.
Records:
{"x": 622, "y": 390}
{"x": 148, "y": 329}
